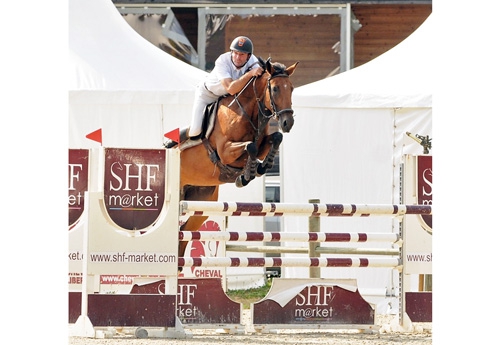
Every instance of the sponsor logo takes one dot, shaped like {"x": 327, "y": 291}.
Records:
{"x": 424, "y": 189}
{"x": 78, "y": 167}
{"x": 134, "y": 186}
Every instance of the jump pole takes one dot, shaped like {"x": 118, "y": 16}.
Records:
{"x": 312, "y": 237}
{"x": 256, "y": 209}
{"x": 289, "y": 262}
{"x": 229, "y": 236}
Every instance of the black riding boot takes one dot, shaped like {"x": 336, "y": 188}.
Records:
{"x": 183, "y": 136}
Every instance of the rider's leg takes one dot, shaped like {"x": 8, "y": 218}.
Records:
{"x": 202, "y": 98}
{"x": 197, "y": 118}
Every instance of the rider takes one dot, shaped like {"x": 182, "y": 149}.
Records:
{"x": 231, "y": 73}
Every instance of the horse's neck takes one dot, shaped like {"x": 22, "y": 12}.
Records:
{"x": 251, "y": 95}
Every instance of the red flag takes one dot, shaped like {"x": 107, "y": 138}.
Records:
{"x": 95, "y": 135}
{"x": 174, "y": 135}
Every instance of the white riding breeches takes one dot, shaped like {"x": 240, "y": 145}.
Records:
{"x": 202, "y": 98}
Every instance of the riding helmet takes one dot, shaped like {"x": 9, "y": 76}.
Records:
{"x": 242, "y": 44}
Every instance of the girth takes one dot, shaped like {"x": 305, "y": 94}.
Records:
{"x": 227, "y": 173}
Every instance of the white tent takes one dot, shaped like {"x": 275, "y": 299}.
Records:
{"x": 135, "y": 93}
{"x": 399, "y": 78}
{"x": 122, "y": 83}
{"x": 349, "y": 139}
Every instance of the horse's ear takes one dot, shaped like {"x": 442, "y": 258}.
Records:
{"x": 269, "y": 66}
{"x": 262, "y": 63}
{"x": 291, "y": 68}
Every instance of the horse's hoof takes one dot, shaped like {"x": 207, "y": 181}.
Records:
{"x": 240, "y": 181}
{"x": 262, "y": 169}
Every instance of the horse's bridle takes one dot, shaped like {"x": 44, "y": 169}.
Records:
{"x": 264, "y": 113}
{"x": 274, "y": 112}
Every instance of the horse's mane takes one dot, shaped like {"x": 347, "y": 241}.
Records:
{"x": 279, "y": 68}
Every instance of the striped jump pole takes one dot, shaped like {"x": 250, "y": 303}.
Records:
{"x": 318, "y": 250}
{"x": 204, "y": 208}
{"x": 286, "y": 236}
{"x": 289, "y": 262}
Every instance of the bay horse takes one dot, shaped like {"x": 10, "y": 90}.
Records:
{"x": 240, "y": 146}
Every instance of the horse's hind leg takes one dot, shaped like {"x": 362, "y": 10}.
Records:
{"x": 250, "y": 170}
{"x": 268, "y": 162}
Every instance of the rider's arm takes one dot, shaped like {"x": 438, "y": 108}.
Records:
{"x": 234, "y": 86}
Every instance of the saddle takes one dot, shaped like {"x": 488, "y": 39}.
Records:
{"x": 207, "y": 127}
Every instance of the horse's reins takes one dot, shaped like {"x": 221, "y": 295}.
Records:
{"x": 244, "y": 87}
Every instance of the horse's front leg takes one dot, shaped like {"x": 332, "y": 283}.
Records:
{"x": 233, "y": 153}
{"x": 268, "y": 161}
{"x": 250, "y": 169}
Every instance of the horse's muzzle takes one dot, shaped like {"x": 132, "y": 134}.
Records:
{"x": 286, "y": 121}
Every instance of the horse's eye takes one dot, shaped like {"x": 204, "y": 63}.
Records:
{"x": 275, "y": 89}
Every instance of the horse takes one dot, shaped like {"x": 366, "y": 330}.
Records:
{"x": 240, "y": 146}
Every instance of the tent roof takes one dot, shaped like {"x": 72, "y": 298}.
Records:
{"x": 401, "y": 77}
{"x": 111, "y": 63}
